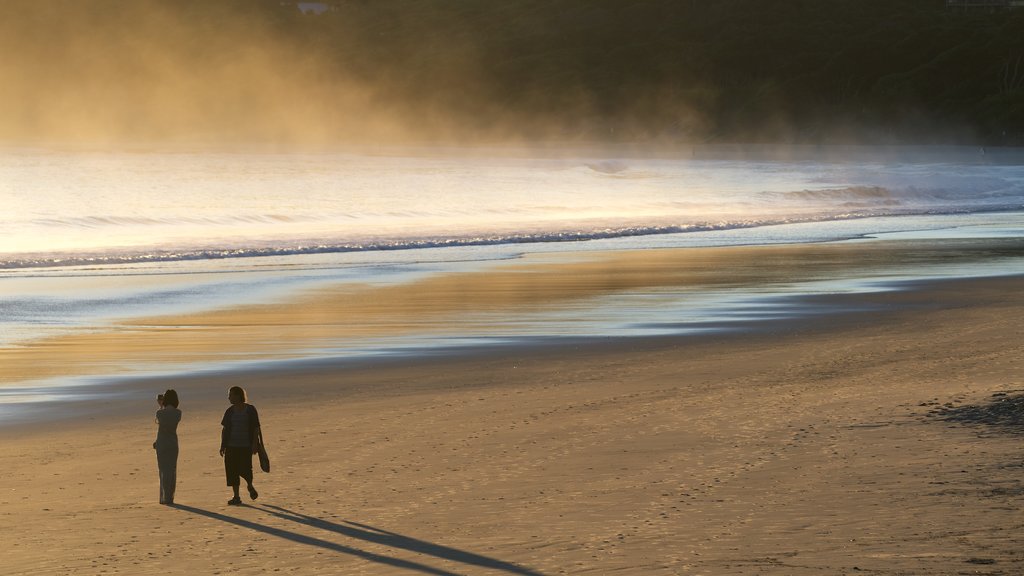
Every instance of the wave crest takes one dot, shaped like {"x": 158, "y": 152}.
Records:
{"x": 852, "y": 195}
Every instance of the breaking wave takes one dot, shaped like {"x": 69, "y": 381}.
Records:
{"x": 854, "y": 194}
{"x": 301, "y": 248}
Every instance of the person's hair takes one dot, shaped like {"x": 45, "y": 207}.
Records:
{"x": 171, "y": 398}
{"x": 237, "y": 391}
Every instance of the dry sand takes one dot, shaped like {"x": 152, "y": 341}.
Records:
{"x": 865, "y": 445}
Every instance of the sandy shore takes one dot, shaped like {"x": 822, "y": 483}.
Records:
{"x": 847, "y": 447}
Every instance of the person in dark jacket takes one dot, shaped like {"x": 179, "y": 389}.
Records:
{"x": 239, "y": 440}
{"x": 166, "y": 445}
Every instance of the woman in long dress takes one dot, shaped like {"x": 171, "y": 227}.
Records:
{"x": 167, "y": 419}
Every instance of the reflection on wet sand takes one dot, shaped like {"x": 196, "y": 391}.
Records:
{"x": 479, "y": 303}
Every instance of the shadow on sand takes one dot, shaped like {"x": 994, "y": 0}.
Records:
{"x": 1003, "y": 412}
{"x": 367, "y": 534}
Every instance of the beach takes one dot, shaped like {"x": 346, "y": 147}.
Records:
{"x": 843, "y": 443}
{"x": 525, "y": 289}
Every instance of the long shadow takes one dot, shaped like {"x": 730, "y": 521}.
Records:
{"x": 1003, "y": 412}
{"x": 310, "y": 541}
{"x": 394, "y": 540}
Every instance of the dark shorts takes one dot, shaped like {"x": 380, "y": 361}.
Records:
{"x": 238, "y": 464}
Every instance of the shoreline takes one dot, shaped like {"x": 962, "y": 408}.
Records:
{"x": 118, "y": 395}
{"x": 352, "y": 324}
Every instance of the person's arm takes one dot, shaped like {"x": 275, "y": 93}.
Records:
{"x": 255, "y": 423}
{"x": 225, "y": 432}
{"x": 256, "y": 440}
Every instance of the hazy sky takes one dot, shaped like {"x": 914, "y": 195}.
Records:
{"x": 253, "y": 71}
{"x": 84, "y": 71}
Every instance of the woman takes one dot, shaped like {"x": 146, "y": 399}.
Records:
{"x": 239, "y": 440}
{"x": 167, "y": 419}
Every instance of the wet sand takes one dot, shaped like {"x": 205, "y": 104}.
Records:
{"x": 475, "y": 304}
{"x": 840, "y": 447}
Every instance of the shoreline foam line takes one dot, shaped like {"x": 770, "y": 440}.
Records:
{"x": 299, "y": 247}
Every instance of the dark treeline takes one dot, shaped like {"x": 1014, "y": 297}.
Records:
{"x": 807, "y": 71}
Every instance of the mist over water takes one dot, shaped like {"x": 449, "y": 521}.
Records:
{"x": 109, "y": 74}
{"x": 67, "y": 207}
{"x": 106, "y": 73}
{"x": 114, "y": 73}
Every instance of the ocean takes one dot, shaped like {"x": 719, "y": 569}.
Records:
{"x": 90, "y": 239}
{"x": 67, "y": 208}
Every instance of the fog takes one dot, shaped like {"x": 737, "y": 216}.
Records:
{"x": 232, "y": 71}
{"x": 147, "y": 71}
{"x": 103, "y": 72}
